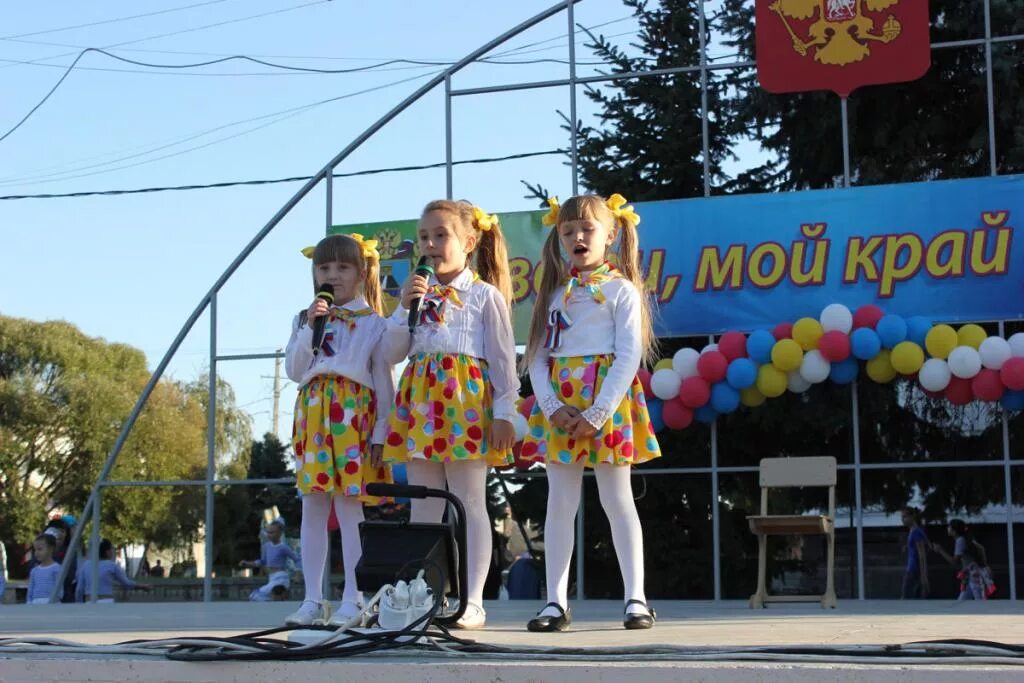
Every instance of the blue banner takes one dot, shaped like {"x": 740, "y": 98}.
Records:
{"x": 942, "y": 249}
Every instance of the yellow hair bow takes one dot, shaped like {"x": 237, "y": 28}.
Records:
{"x": 623, "y": 211}
{"x": 368, "y": 247}
{"x": 551, "y": 217}
{"x": 308, "y": 251}
{"x": 483, "y": 220}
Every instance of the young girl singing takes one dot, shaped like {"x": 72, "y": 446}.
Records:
{"x": 337, "y": 435}
{"x": 591, "y": 328}
{"x": 456, "y": 398}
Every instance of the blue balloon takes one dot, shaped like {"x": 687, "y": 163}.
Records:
{"x": 742, "y": 373}
{"x": 917, "y": 329}
{"x": 1013, "y": 400}
{"x": 891, "y": 329}
{"x": 844, "y": 372}
{"x": 759, "y": 346}
{"x": 399, "y": 473}
{"x": 724, "y": 399}
{"x": 705, "y": 413}
{"x": 654, "y": 407}
{"x": 865, "y": 343}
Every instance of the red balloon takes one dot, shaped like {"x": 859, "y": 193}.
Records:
{"x": 526, "y": 406}
{"x": 834, "y": 346}
{"x": 733, "y": 345}
{"x": 987, "y": 385}
{"x": 676, "y": 415}
{"x": 867, "y": 316}
{"x": 644, "y": 375}
{"x": 1012, "y": 374}
{"x": 959, "y": 391}
{"x": 783, "y": 331}
{"x": 712, "y": 366}
{"x": 693, "y": 393}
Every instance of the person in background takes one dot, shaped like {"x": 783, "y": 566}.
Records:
{"x": 44, "y": 575}
{"x": 970, "y": 558}
{"x": 273, "y": 560}
{"x": 915, "y": 579}
{"x": 109, "y": 572}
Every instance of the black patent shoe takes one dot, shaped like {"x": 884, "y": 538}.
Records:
{"x": 639, "y": 621}
{"x": 545, "y": 624}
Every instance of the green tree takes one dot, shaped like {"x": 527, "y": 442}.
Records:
{"x": 63, "y": 399}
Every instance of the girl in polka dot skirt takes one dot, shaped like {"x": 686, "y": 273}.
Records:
{"x": 337, "y": 436}
{"x": 456, "y": 398}
{"x": 591, "y": 329}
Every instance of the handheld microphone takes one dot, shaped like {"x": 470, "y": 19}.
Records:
{"x": 326, "y": 292}
{"x": 426, "y": 270}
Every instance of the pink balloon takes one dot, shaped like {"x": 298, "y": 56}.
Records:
{"x": 733, "y": 345}
{"x": 867, "y": 316}
{"x": 987, "y": 385}
{"x": 959, "y": 391}
{"x": 834, "y": 346}
{"x": 1012, "y": 374}
{"x": 676, "y": 415}
{"x": 693, "y": 392}
{"x": 783, "y": 331}
{"x": 712, "y": 366}
{"x": 644, "y": 375}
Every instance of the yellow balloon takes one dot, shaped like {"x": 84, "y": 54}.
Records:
{"x": 907, "y": 358}
{"x": 663, "y": 363}
{"x": 771, "y": 381}
{"x": 971, "y": 335}
{"x": 807, "y": 332}
{"x": 880, "y": 367}
{"x": 940, "y": 341}
{"x": 751, "y": 397}
{"x": 787, "y": 355}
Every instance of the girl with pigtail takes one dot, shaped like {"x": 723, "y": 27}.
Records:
{"x": 338, "y": 433}
{"x": 591, "y": 329}
{"x": 456, "y": 399}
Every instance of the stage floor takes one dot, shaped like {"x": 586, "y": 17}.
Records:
{"x": 596, "y": 624}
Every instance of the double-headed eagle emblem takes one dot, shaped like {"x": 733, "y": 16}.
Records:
{"x": 842, "y": 33}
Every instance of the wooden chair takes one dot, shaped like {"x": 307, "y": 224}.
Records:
{"x": 788, "y": 473}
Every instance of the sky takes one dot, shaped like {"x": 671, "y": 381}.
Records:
{"x": 131, "y": 268}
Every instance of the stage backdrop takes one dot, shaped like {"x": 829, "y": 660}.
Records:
{"x": 944, "y": 250}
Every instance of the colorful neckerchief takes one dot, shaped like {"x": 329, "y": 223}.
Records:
{"x": 436, "y": 298}
{"x": 557, "y": 322}
{"x": 592, "y": 282}
{"x": 347, "y": 315}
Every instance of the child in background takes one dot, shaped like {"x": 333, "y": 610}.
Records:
{"x": 457, "y": 397}
{"x": 338, "y": 432}
{"x": 44, "y": 575}
{"x": 591, "y": 329}
{"x": 274, "y": 555}
{"x": 109, "y": 572}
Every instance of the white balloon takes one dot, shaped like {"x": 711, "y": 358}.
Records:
{"x": 685, "y": 362}
{"x": 934, "y": 375}
{"x": 837, "y": 317}
{"x": 994, "y": 352}
{"x": 665, "y": 383}
{"x": 521, "y": 426}
{"x": 796, "y": 383}
{"x": 709, "y": 347}
{"x": 814, "y": 368}
{"x": 1017, "y": 345}
{"x": 964, "y": 362}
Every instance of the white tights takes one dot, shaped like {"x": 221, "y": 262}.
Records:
{"x": 316, "y": 509}
{"x": 467, "y": 480}
{"x": 616, "y": 493}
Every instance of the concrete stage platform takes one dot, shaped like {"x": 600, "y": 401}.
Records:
{"x": 597, "y": 624}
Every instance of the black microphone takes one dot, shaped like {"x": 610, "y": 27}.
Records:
{"x": 326, "y": 292}
{"x": 426, "y": 270}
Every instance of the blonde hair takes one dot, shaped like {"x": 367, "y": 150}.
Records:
{"x": 490, "y": 256}
{"x": 626, "y": 246}
{"x": 343, "y": 249}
